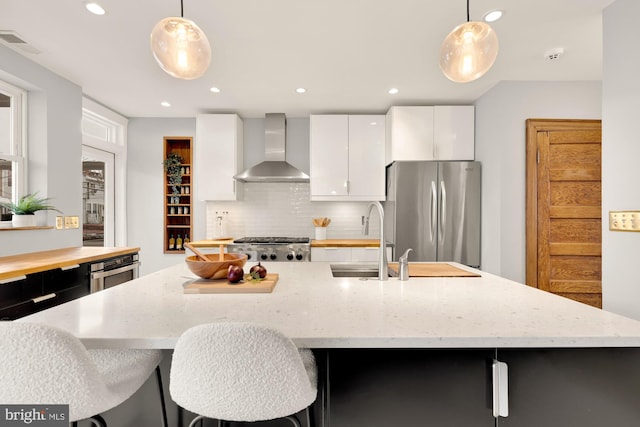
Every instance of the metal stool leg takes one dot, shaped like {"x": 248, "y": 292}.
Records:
{"x": 98, "y": 421}
{"x": 163, "y": 407}
{"x": 196, "y": 419}
{"x": 293, "y": 420}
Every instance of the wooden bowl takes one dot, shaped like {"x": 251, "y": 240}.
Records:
{"x": 214, "y": 268}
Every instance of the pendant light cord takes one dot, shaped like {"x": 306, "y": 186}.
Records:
{"x": 467, "y": 10}
{"x": 182, "y": 9}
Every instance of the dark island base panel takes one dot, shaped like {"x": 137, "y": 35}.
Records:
{"x": 547, "y": 387}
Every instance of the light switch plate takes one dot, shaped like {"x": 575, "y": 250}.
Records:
{"x": 624, "y": 220}
{"x": 59, "y": 222}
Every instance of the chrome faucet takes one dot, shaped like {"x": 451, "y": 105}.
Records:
{"x": 383, "y": 269}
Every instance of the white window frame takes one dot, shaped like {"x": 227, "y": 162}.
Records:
{"x": 18, "y": 136}
{"x": 115, "y": 142}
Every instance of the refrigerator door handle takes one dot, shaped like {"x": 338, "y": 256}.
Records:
{"x": 434, "y": 211}
{"x": 443, "y": 210}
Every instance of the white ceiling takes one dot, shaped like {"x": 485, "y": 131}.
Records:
{"x": 346, "y": 53}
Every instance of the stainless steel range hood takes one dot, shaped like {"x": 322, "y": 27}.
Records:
{"x": 275, "y": 167}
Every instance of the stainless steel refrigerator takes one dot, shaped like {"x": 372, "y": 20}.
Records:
{"x": 433, "y": 207}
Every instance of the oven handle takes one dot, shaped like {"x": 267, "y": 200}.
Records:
{"x": 103, "y": 274}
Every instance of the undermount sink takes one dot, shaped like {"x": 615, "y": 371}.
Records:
{"x": 355, "y": 270}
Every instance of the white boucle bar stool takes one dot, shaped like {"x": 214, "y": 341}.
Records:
{"x": 45, "y": 365}
{"x": 241, "y": 372}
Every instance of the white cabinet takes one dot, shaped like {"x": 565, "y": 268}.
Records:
{"x": 331, "y": 254}
{"x": 347, "y": 157}
{"x": 218, "y": 156}
{"x": 348, "y": 254}
{"x": 430, "y": 133}
{"x": 454, "y": 132}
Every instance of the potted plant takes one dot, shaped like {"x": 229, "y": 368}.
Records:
{"x": 24, "y": 211}
{"x": 172, "y": 166}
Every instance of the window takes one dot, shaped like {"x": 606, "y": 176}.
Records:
{"x": 12, "y": 142}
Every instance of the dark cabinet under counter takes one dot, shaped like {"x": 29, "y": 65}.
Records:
{"x": 24, "y": 295}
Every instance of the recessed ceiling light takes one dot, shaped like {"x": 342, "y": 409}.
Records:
{"x": 94, "y": 8}
{"x": 165, "y": 104}
{"x": 301, "y": 90}
{"x": 492, "y": 16}
{"x": 393, "y": 91}
{"x": 215, "y": 90}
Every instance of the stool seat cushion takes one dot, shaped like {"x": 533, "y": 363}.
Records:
{"x": 241, "y": 372}
{"x": 45, "y": 365}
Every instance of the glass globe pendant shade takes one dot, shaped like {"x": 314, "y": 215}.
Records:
{"x": 468, "y": 52}
{"x": 181, "y": 48}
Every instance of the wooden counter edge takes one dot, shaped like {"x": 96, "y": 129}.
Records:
{"x": 353, "y": 243}
{"x": 36, "y": 262}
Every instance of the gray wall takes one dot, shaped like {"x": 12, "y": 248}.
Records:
{"x": 620, "y": 154}
{"x": 500, "y": 146}
{"x": 55, "y": 150}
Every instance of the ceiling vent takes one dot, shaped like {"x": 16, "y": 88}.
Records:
{"x": 13, "y": 40}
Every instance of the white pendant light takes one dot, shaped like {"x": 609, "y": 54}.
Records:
{"x": 180, "y": 47}
{"x": 469, "y": 51}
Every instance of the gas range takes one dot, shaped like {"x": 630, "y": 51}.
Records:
{"x": 284, "y": 249}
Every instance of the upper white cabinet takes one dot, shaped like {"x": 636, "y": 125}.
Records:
{"x": 347, "y": 157}
{"x": 454, "y": 132}
{"x": 218, "y": 156}
{"x": 430, "y": 133}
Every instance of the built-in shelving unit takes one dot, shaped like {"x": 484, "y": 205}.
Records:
{"x": 178, "y": 205}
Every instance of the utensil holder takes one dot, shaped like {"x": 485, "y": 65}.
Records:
{"x": 321, "y": 233}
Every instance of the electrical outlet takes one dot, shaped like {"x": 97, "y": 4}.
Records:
{"x": 68, "y": 222}
{"x": 75, "y": 222}
{"x": 59, "y": 222}
{"x": 624, "y": 220}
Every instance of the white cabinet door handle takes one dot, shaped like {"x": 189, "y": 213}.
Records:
{"x": 12, "y": 279}
{"x": 44, "y": 298}
{"x": 500, "y": 377}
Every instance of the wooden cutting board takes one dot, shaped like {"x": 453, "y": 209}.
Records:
{"x": 203, "y": 286}
{"x": 439, "y": 269}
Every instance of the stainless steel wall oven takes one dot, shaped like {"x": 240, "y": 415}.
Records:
{"x": 114, "y": 271}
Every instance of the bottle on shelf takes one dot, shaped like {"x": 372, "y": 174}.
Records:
{"x": 186, "y": 238}
{"x": 172, "y": 242}
{"x": 179, "y": 242}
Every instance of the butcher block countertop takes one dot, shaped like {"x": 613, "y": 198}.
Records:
{"x": 317, "y": 310}
{"x": 34, "y": 262}
{"x": 348, "y": 243}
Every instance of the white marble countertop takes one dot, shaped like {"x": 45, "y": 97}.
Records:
{"x": 319, "y": 311}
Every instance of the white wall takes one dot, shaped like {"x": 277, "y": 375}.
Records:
{"x": 620, "y": 155}
{"x": 500, "y": 146}
{"x": 145, "y": 188}
{"x": 55, "y": 139}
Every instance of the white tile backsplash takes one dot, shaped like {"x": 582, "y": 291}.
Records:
{"x": 284, "y": 209}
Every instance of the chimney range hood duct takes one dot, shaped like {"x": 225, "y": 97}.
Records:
{"x": 275, "y": 168}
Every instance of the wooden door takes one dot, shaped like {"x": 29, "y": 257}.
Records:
{"x": 564, "y": 232}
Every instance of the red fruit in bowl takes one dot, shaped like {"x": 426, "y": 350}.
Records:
{"x": 235, "y": 274}
{"x": 258, "y": 271}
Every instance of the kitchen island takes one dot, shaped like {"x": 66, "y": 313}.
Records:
{"x": 401, "y": 353}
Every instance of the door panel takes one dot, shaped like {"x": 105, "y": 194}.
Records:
{"x": 572, "y": 387}
{"x": 564, "y": 224}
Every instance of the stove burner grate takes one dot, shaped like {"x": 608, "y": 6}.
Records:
{"x": 273, "y": 240}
